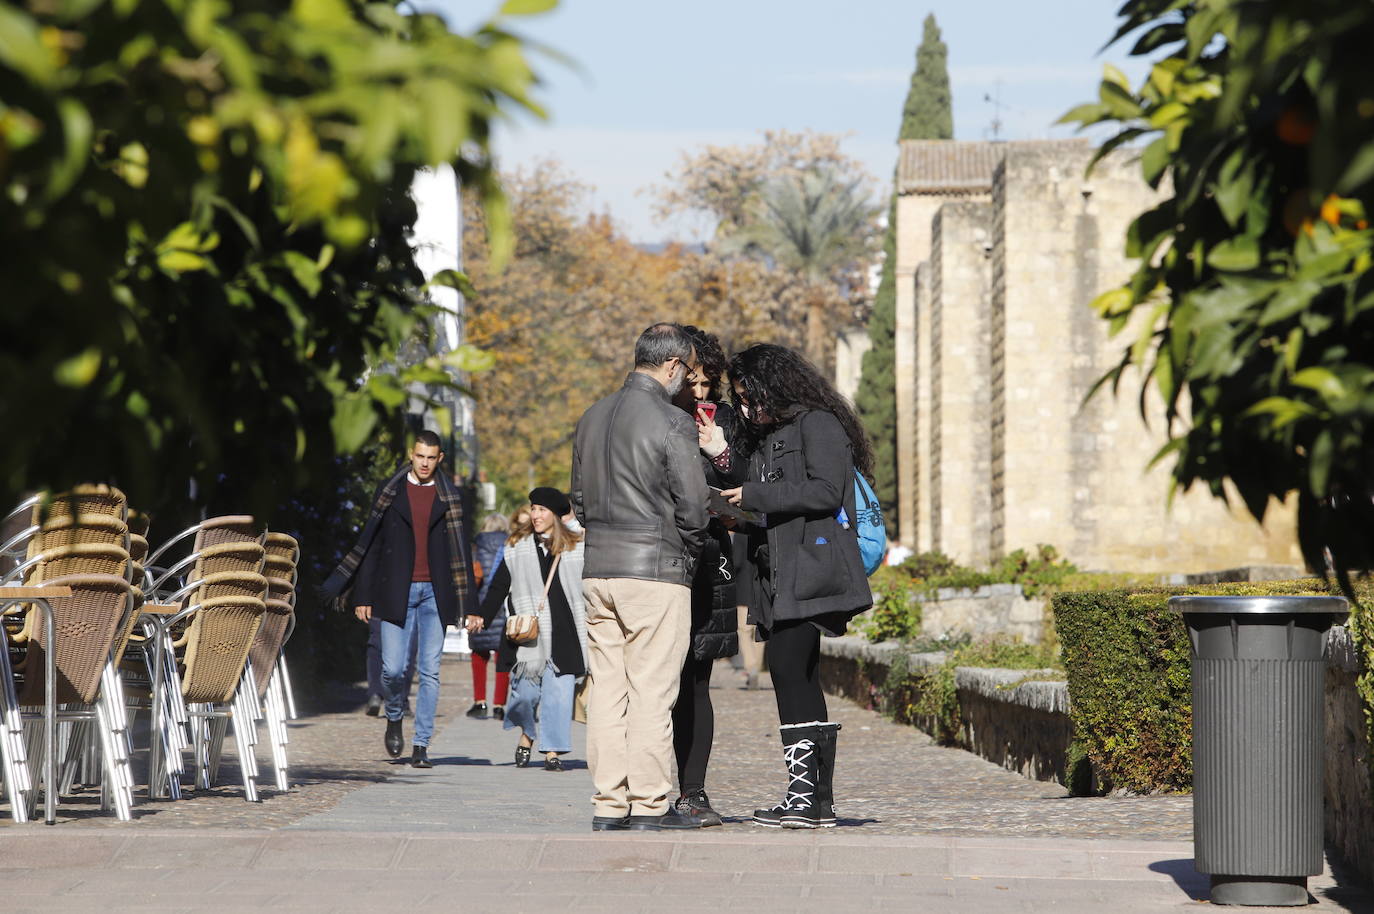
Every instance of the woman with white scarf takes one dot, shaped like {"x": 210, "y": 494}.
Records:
{"x": 544, "y": 679}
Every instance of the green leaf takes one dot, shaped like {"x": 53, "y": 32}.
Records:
{"x": 1154, "y": 161}
{"x": 1291, "y": 298}
{"x": 1119, "y": 101}
{"x": 470, "y": 359}
{"x": 1322, "y": 380}
{"x": 1087, "y": 114}
{"x": 78, "y": 370}
{"x": 1113, "y": 302}
{"x": 1235, "y": 255}
{"x": 21, "y": 49}
{"x": 454, "y": 279}
{"x": 76, "y": 135}
{"x": 527, "y": 7}
{"x": 1235, "y": 183}
{"x": 352, "y": 422}
{"x": 304, "y": 270}
{"x": 1284, "y": 411}
{"x": 1319, "y": 462}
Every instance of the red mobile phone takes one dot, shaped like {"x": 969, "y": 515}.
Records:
{"x": 706, "y": 407}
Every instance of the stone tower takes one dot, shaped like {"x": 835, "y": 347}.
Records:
{"x": 996, "y": 351}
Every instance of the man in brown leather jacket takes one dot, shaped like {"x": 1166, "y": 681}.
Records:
{"x": 640, "y": 494}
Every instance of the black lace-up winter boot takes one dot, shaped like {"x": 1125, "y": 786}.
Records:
{"x": 825, "y": 790}
{"x": 800, "y": 744}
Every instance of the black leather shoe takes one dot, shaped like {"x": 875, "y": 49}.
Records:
{"x": 394, "y": 743}
{"x": 672, "y": 820}
{"x": 478, "y": 711}
{"x": 522, "y": 756}
{"x": 610, "y": 823}
{"x": 374, "y": 705}
{"x": 676, "y": 819}
{"x": 419, "y": 757}
{"x": 498, "y": 713}
{"x": 553, "y": 764}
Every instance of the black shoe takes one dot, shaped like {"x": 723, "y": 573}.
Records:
{"x": 553, "y": 764}
{"x": 393, "y": 742}
{"x": 610, "y": 823}
{"x": 478, "y": 711}
{"x": 676, "y": 819}
{"x": 522, "y": 756}
{"x": 374, "y": 705}
{"x": 419, "y": 757}
{"x": 770, "y": 818}
{"x": 643, "y": 823}
{"x": 696, "y": 804}
{"x": 498, "y": 713}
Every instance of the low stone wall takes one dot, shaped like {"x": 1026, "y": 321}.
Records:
{"x": 1349, "y": 807}
{"x": 993, "y": 610}
{"x": 1026, "y": 727}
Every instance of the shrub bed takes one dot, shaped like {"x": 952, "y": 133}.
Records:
{"x": 1129, "y": 672}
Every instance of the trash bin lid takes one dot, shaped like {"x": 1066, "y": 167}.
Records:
{"x": 1270, "y": 605}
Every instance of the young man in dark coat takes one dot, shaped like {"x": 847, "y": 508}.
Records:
{"x": 411, "y": 570}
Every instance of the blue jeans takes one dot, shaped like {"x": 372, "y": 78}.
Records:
{"x": 550, "y": 700}
{"x": 423, "y": 626}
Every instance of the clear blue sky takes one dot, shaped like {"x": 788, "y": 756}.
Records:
{"x": 655, "y": 79}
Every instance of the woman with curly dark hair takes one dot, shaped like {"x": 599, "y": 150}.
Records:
{"x": 714, "y": 620}
{"x": 803, "y": 444}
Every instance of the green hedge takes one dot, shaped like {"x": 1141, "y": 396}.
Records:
{"x": 1129, "y": 673}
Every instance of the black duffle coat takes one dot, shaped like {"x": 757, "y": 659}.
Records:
{"x": 804, "y": 565}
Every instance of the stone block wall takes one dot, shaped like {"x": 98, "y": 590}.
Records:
{"x": 960, "y": 344}
{"x": 920, "y": 426}
{"x": 997, "y": 610}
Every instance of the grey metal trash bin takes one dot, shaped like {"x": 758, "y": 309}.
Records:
{"x": 1259, "y": 670}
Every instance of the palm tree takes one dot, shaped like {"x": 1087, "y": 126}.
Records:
{"x": 818, "y": 224}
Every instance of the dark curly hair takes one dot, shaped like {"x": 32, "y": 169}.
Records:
{"x": 709, "y": 355}
{"x": 783, "y": 383}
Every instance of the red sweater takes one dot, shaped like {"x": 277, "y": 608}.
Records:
{"x": 422, "y": 500}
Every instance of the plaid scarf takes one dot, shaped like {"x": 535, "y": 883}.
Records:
{"x": 339, "y": 581}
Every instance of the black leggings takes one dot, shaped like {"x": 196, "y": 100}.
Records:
{"x": 794, "y": 658}
{"x": 694, "y": 724}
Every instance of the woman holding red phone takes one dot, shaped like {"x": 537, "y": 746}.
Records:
{"x": 804, "y": 575}
{"x": 714, "y": 621}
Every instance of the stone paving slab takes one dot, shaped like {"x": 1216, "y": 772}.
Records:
{"x": 923, "y": 828}
{"x": 706, "y": 870}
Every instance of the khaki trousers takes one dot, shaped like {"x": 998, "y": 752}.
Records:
{"x": 638, "y": 633}
{"x": 750, "y": 651}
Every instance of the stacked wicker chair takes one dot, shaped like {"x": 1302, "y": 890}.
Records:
{"x": 78, "y": 540}
{"x": 200, "y": 650}
{"x": 266, "y": 681}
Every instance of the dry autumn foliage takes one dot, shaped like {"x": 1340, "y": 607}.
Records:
{"x": 562, "y": 317}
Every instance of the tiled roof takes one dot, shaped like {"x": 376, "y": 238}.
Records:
{"x": 958, "y": 167}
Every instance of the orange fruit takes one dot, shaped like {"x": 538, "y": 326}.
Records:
{"x": 1297, "y": 211}
{"x": 1296, "y": 126}
{"x": 1331, "y": 210}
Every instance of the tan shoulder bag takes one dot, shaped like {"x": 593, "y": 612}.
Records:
{"x": 524, "y": 627}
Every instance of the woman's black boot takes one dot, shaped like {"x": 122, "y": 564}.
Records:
{"x": 800, "y": 751}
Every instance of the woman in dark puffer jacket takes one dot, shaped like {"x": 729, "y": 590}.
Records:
{"x": 489, "y": 549}
{"x": 714, "y": 619}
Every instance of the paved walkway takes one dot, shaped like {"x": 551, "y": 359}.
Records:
{"x": 924, "y": 828}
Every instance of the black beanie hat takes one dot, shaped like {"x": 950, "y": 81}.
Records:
{"x": 551, "y": 498}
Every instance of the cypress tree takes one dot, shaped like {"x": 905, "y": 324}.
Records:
{"x": 926, "y": 115}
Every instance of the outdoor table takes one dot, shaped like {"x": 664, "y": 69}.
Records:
{"x": 39, "y": 596}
